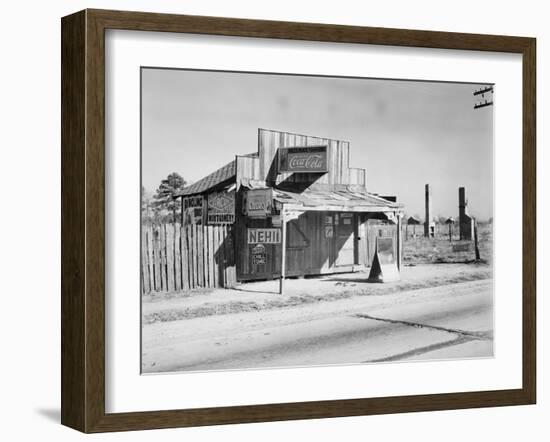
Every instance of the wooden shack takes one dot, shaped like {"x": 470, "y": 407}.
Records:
{"x": 295, "y": 208}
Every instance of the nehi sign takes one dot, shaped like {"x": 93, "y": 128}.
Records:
{"x": 264, "y": 236}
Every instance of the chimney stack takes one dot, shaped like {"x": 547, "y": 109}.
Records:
{"x": 428, "y": 216}
{"x": 465, "y": 221}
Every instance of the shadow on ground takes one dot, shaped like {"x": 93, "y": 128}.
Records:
{"x": 51, "y": 414}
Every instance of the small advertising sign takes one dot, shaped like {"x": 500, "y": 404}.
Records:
{"x": 385, "y": 250}
{"x": 312, "y": 159}
{"x": 258, "y": 203}
{"x": 259, "y": 255}
{"x": 195, "y": 216}
{"x": 264, "y": 236}
{"x": 193, "y": 209}
{"x": 221, "y": 208}
{"x": 220, "y": 218}
{"x": 192, "y": 202}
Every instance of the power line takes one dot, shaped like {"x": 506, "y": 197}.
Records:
{"x": 482, "y": 100}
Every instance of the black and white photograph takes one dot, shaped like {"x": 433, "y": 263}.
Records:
{"x": 300, "y": 220}
{"x": 255, "y": 222}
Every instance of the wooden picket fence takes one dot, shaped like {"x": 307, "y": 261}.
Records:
{"x": 176, "y": 257}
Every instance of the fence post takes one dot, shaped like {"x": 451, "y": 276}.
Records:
{"x": 211, "y": 257}
{"x": 144, "y": 261}
{"x": 177, "y": 257}
{"x": 170, "y": 285}
{"x": 193, "y": 254}
{"x": 478, "y": 256}
{"x": 184, "y": 258}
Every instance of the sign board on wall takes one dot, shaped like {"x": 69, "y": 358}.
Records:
{"x": 347, "y": 218}
{"x": 258, "y": 203}
{"x": 312, "y": 159}
{"x": 264, "y": 236}
{"x": 259, "y": 255}
{"x": 194, "y": 216}
{"x": 190, "y": 202}
{"x": 221, "y": 208}
{"x": 193, "y": 207}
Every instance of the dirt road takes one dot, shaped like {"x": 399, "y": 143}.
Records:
{"x": 445, "y": 321}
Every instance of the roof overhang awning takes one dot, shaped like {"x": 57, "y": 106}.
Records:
{"x": 335, "y": 201}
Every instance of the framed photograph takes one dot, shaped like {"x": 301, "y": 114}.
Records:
{"x": 267, "y": 221}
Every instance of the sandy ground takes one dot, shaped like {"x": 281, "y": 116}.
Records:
{"x": 435, "y": 312}
{"x": 264, "y": 295}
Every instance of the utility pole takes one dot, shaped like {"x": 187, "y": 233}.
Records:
{"x": 428, "y": 210}
{"x": 484, "y": 97}
{"x": 478, "y": 256}
{"x": 283, "y": 251}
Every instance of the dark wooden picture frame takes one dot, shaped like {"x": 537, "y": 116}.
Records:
{"x": 83, "y": 220}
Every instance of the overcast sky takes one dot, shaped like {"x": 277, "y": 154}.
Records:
{"x": 405, "y": 133}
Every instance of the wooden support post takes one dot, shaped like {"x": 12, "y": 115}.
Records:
{"x": 478, "y": 256}
{"x": 399, "y": 240}
{"x": 450, "y": 232}
{"x": 283, "y": 251}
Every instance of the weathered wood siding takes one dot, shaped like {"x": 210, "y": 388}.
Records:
{"x": 263, "y": 167}
{"x": 309, "y": 250}
{"x": 247, "y": 168}
{"x": 338, "y": 159}
{"x": 369, "y": 229}
{"x": 194, "y": 256}
{"x": 317, "y": 254}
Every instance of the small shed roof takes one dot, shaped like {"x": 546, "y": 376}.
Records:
{"x": 413, "y": 220}
{"x": 217, "y": 178}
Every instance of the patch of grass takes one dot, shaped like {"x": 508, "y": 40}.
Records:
{"x": 438, "y": 250}
{"x": 161, "y": 296}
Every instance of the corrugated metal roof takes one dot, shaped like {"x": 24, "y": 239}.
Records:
{"x": 216, "y": 178}
{"x": 345, "y": 200}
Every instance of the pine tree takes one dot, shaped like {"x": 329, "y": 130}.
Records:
{"x": 164, "y": 205}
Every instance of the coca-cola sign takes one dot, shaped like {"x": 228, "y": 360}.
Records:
{"x": 312, "y": 159}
